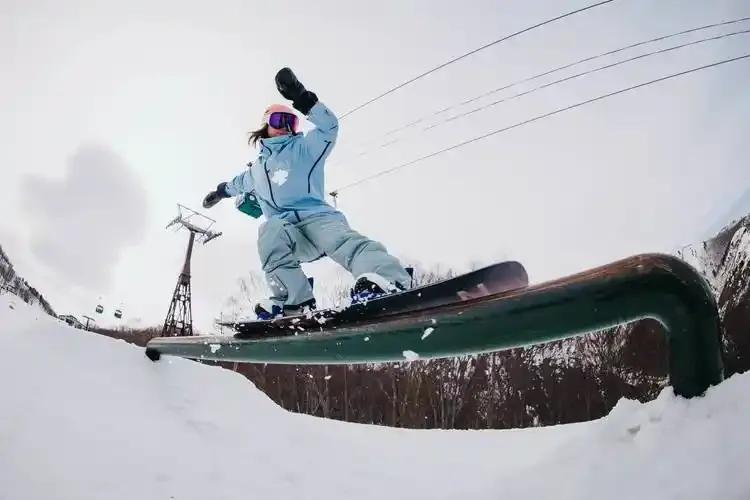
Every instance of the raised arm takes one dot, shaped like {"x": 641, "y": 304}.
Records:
{"x": 321, "y": 139}
{"x": 326, "y": 127}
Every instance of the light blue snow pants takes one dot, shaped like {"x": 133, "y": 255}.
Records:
{"x": 282, "y": 246}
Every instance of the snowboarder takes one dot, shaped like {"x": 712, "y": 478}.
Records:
{"x": 287, "y": 182}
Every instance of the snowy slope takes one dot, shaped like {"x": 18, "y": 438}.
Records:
{"x": 737, "y": 261}
{"x": 88, "y": 417}
{"x": 725, "y": 262}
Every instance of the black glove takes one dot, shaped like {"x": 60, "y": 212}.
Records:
{"x": 215, "y": 197}
{"x": 291, "y": 88}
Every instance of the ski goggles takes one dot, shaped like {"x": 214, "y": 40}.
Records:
{"x": 284, "y": 121}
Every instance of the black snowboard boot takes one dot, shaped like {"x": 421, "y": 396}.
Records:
{"x": 372, "y": 285}
{"x": 304, "y": 308}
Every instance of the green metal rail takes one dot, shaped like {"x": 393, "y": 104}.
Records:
{"x": 646, "y": 286}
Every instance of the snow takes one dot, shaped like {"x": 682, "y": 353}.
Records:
{"x": 410, "y": 355}
{"x": 427, "y": 332}
{"x": 89, "y": 417}
{"x": 737, "y": 260}
{"x": 722, "y": 258}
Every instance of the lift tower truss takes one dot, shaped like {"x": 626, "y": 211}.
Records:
{"x": 179, "y": 320}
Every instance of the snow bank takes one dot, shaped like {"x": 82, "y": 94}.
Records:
{"x": 89, "y": 417}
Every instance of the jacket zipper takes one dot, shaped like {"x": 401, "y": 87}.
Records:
{"x": 309, "y": 174}
{"x": 270, "y": 188}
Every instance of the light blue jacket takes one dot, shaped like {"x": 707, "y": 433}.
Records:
{"x": 288, "y": 176}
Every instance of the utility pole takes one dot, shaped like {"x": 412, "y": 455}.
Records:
{"x": 179, "y": 320}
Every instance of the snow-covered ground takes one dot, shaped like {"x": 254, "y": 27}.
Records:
{"x": 88, "y": 417}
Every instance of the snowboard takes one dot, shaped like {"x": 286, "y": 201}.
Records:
{"x": 490, "y": 280}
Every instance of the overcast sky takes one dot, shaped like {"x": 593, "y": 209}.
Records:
{"x": 113, "y": 112}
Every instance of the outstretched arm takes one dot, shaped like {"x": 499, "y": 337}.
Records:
{"x": 242, "y": 183}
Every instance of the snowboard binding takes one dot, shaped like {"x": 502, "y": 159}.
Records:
{"x": 370, "y": 286}
{"x": 267, "y": 310}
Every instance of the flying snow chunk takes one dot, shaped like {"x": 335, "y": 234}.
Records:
{"x": 427, "y": 332}
{"x": 279, "y": 177}
{"x": 410, "y": 355}
{"x": 214, "y": 348}
{"x": 328, "y": 377}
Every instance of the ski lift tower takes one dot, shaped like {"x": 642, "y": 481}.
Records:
{"x": 179, "y": 321}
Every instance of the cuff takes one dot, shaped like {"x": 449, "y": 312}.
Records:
{"x": 221, "y": 190}
{"x": 305, "y": 102}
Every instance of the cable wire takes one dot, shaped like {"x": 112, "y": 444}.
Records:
{"x": 540, "y": 75}
{"x": 569, "y": 65}
{"x": 571, "y": 77}
{"x": 336, "y": 192}
{"x": 472, "y": 52}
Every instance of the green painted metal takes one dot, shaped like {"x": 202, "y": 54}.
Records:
{"x": 645, "y": 286}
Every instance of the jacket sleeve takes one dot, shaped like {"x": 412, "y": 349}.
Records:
{"x": 320, "y": 141}
{"x": 242, "y": 183}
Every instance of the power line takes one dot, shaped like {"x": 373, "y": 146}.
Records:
{"x": 556, "y": 82}
{"x": 540, "y": 75}
{"x": 534, "y": 119}
{"x": 578, "y": 75}
{"x": 471, "y": 52}
{"x": 569, "y": 65}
